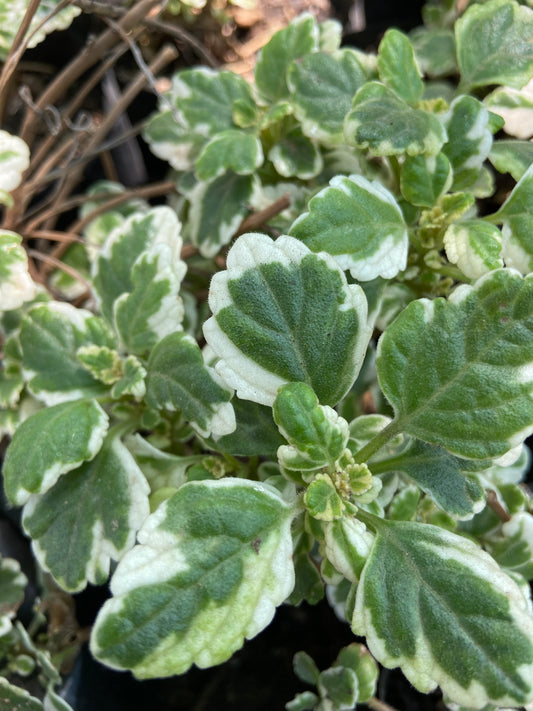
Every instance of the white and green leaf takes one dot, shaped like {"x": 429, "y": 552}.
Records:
{"x": 360, "y": 224}
{"x": 50, "y": 336}
{"x": 178, "y": 379}
{"x": 475, "y": 246}
{"x": 472, "y": 393}
{"x": 171, "y": 141}
{"x": 513, "y": 549}
{"x": 229, "y": 150}
{"x": 386, "y": 125}
{"x": 16, "y": 284}
{"x": 435, "y": 51}
{"x": 424, "y": 179}
{"x": 494, "y": 44}
{"x": 515, "y": 106}
{"x": 398, "y": 68}
{"x": 322, "y": 87}
{"x": 473, "y": 638}
{"x": 12, "y": 585}
{"x": 347, "y": 545}
{"x": 296, "y": 155}
{"x": 283, "y": 314}
{"x": 212, "y": 564}
{"x": 14, "y": 158}
{"x": 50, "y": 443}
{"x": 514, "y": 157}
{"x": 89, "y": 517}
{"x": 17, "y": 699}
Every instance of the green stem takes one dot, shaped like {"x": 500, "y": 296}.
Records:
{"x": 377, "y": 442}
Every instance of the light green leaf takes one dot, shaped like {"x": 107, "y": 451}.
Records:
{"x": 212, "y": 564}
{"x": 283, "y": 314}
{"x": 494, "y": 44}
{"x": 50, "y": 443}
{"x": 179, "y": 380}
{"x": 306, "y": 701}
{"x": 472, "y": 357}
{"x": 513, "y": 549}
{"x": 229, "y": 150}
{"x": 17, "y": 699}
{"x": 216, "y": 210}
{"x": 14, "y": 153}
{"x": 340, "y": 685}
{"x": 347, "y": 544}
{"x": 305, "y": 668}
{"x": 156, "y": 232}
{"x": 475, "y": 246}
{"x": 360, "y": 224}
{"x": 103, "y": 363}
{"x": 435, "y": 51}
{"x": 386, "y": 125}
{"x": 89, "y": 517}
{"x": 205, "y": 97}
{"x": 172, "y": 142}
{"x": 474, "y": 637}
{"x": 516, "y": 215}
{"x": 12, "y": 13}
{"x": 441, "y": 476}
{"x": 317, "y": 434}
{"x": 398, "y": 68}
{"x": 513, "y": 157}
{"x": 16, "y": 285}
{"x": 322, "y": 500}
{"x": 295, "y": 155}
{"x": 403, "y": 506}
{"x": 322, "y": 87}
{"x": 424, "y": 179}
{"x": 357, "y": 657}
{"x": 12, "y": 585}
{"x": 132, "y": 380}
{"x": 469, "y": 139}
{"x": 50, "y": 336}
{"x": 294, "y": 41}
{"x": 515, "y": 108}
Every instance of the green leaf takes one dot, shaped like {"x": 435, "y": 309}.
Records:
{"x": 16, "y": 699}
{"x": 360, "y": 224}
{"x": 172, "y": 142}
{"x": 156, "y": 232}
{"x": 50, "y": 336}
{"x": 217, "y": 209}
{"x": 178, "y": 379}
{"x": 16, "y": 285}
{"x": 340, "y": 685}
{"x": 513, "y": 107}
{"x": 424, "y": 179}
{"x": 52, "y": 442}
{"x": 14, "y": 153}
{"x": 357, "y": 657}
{"x": 398, "y": 68}
{"x": 305, "y": 668}
{"x": 255, "y": 434}
{"x": 469, "y": 139}
{"x": 317, "y": 434}
{"x": 11, "y": 16}
{"x": 439, "y": 607}
{"x": 12, "y": 585}
{"x": 513, "y": 550}
{"x": 347, "y": 544}
{"x": 322, "y": 87}
{"x": 295, "y": 155}
{"x": 472, "y": 393}
{"x": 283, "y": 314}
{"x": 513, "y": 157}
{"x": 322, "y": 500}
{"x": 229, "y": 150}
{"x": 386, "y": 125}
{"x": 475, "y": 247}
{"x": 435, "y": 51}
{"x": 494, "y": 44}
{"x": 89, "y": 517}
{"x": 294, "y": 41}
{"x": 205, "y": 97}
{"x": 302, "y": 702}
{"x": 516, "y": 215}
{"x": 441, "y": 476}
{"x": 212, "y": 564}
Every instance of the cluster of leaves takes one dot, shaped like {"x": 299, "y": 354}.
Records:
{"x": 356, "y": 420}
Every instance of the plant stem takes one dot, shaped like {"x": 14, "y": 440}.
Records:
{"x": 494, "y": 504}
{"x": 378, "y": 705}
{"x": 381, "y": 439}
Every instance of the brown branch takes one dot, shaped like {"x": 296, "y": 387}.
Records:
{"x": 258, "y": 219}
{"x": 52, "y": 262}
{"x": 54, "y": 236}
{"x": 182, "y": 35}
{"x": 494, "y": 504}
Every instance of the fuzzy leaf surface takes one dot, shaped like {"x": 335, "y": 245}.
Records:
{"x": 386, "y": 125}
{"x": 398, "y": 68}
{"x": 360, "y": 224}
{"x": 439, "y": 607}
{"x": 14, "y": 158}
{"x": 494, "y": 44}
{"x": 472, "y": 357}
{"x": 229, "y": 150}
{"x": 475, "y": 246}
{"x": 322, "y": 87}
{"x": 424, "y": 179}
{"x": 178, "y": 379}
{"x": 89, "y": 517}
{"x": 12, "y": 585}
{"x": 283, "y": 314}
{"x": 16, "y": 285}
{"x": 295, "y": 155}
{"x": 510, "y": 156}
{"x": 52, "y": 442}
{"x": 212, "y": 564}
{"x": 50, "y": 336}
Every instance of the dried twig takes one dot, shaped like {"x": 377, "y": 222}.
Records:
{"x": 258, "y": 219}
{"x": 494, "y": 504}
{"x": 53, "y": 262}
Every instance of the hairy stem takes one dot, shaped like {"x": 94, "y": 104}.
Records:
{"x": 377, "y": 442}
